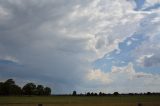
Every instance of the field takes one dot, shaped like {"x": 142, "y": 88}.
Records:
{"x": 81, "y": 101}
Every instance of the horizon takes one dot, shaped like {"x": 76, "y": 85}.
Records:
{"x": 84, "y": 45}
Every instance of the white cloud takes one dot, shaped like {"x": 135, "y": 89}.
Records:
{"x": 99, "y": 76}
{"x": 156, "y": 20}
{"x": 122, "y": 79}
{"x": 129, "y": 43}
{"x": 104, "y": 23}
{"x": 142, "y": 74}
{"x": 9, "y": 58}
{"x": 127, "y": 69}
{"x": 3, "y": 13}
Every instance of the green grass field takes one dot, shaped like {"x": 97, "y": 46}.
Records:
{"x": 81, "y": 101}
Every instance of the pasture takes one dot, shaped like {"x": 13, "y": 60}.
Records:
{"x": 80, "y": 101}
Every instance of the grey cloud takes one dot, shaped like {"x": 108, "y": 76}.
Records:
{"x": 152, "y": 61}
{"x": 150, "y": 46}
{"x": 30, "y": 34}
{"x": 100, "y": 43}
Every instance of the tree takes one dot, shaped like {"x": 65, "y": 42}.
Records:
{"x": 47, "y": 91}
{"x": 116, "y": 93}
{"x": 10, "y": 82}
{"x": 92, "y": 94}
{"x": 9, "y": 88}
{"x": 74, "y": 93}
{"x": 29, "y": 89}
{"x": 16, "y": 90}
{"x": 100, "y": 93}
{"x": 88, "y": 94}
{"x": 1, "y": 88}
{"x": 95, "y": 94}
{"x": 40, "y": 90}
{"x": 148, "y": 93}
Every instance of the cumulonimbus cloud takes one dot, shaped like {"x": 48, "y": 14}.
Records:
{"x": 57, "y": 41}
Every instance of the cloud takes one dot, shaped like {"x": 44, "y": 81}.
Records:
{"x": 152, "y": 61}
{"x": 121, "y": 79}
{"x": 56, "y": 42}
{"x": 151, "y": 2}
{"x": 129, "y": 43}
{"x": 146, "y": 5}
{"x": 143, "y": 58}
{"x": 99, "y": 76}
{"x": 32, "y": 35}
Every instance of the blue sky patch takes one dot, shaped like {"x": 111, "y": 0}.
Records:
{"x": 120, "y": 57}
{"x": 139, "y": 4}
{"x": 155, "y": 6}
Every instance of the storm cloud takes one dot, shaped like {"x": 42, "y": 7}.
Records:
{"x": 57, "y": 41}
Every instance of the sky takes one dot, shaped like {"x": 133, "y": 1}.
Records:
{"x": 82, "y": 45}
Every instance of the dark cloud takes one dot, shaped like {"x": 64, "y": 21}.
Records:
{"x": 30, "y": 34}
{"x": 152, "y": 61}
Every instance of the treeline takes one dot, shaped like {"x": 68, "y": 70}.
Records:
{"x": 9, "y": 87}
{"x": 114, "y": 94}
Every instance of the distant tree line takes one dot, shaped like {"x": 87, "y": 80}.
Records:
{"x": 10, "y": 88}
{"x": 114, "y": 94}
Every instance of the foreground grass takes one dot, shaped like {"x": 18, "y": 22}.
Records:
{"x": 80, "y": 101}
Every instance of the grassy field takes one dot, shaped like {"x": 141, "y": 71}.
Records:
{"x": 81, "y": 101}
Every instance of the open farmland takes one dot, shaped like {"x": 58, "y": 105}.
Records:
{"x": 81, "y": 101}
